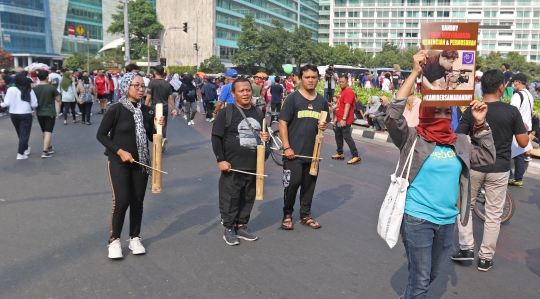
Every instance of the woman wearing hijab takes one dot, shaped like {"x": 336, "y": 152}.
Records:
{"x": 69, "y": 96}
{"x": 439, "y": 187}
{"x": 85, "y": 90}
{"x": 131, "y": 125}
{"x": 21, "y": 99}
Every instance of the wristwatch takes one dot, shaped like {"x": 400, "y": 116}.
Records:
{"x": 344, "y": 119}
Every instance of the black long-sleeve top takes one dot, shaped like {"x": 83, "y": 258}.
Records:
{"x": 124, "y": 136}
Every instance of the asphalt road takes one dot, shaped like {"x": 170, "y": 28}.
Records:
{"x": 54, "y": 226}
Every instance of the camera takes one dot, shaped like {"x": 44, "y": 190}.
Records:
{"x": 329, "y": 71}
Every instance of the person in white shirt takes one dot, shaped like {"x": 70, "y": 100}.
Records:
{"x": 386, "y": 83}
{"x": 477, "y": 80}
{"x": 21, "y": 99}
{"x": 524, "y": 101}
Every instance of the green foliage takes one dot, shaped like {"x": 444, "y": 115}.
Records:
{"x": 249, "y": 47}
{"x": 181, "y": 69}
{"x": 362, "y": 94}
{"x": 6, "y": 60}
{"x": 142, "y": 22}
{"x": 71, "y": 63}
{"x": 95, "y": 64}
{"x": 212, "y": 65}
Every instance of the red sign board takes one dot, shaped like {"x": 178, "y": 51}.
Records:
{"x": 71, "y": 30}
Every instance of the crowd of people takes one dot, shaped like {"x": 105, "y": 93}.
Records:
{"x": 237, "y": 105}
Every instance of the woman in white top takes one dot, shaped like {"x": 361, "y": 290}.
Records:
{"x": 386, "y": 83}
{"x": 21, "y": 99}
{"x": 69, "y": 96}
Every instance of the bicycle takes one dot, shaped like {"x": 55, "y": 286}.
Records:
{"x": 276, "y": 146}
{"x": 480, "y": 211}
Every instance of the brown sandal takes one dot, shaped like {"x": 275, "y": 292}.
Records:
{"x": 287, "y": 219}
{"x": 308, "y": 221}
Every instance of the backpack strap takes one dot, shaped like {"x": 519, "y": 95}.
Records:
{"x": 228, "y": 116}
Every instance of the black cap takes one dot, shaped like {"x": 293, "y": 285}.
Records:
{"x": 519, "y": 77}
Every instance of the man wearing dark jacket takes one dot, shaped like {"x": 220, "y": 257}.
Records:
{"x": 209, "y": 95}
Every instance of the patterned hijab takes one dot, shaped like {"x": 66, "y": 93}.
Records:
{"x": 140, "y": 132}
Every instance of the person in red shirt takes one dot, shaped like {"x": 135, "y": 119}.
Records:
{"x": 343, "y": 119}
{"x": 102, "y": 88}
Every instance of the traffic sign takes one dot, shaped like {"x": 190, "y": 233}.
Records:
{"x": 80, "y": 39}
{"x": 71, "y": 37}
{"x": 71, "y": 30}
{"x": 80, "y": 30}
{"x": 154, "y": 42}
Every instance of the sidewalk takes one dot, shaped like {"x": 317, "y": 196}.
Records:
{"x": 360, "y": 131}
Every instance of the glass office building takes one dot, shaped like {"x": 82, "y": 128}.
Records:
{"x": 219, "y": 28}
{"x": 37, "y": 30}
{"x": 505, "y": 25}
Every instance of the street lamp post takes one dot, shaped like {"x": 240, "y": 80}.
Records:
{"x": 127, "y": 56}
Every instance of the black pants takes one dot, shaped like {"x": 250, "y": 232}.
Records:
{"x": 236, "y": 198}
{"x": 209, "y": 108}
{"x": 67, "y": 106}
{"x": 296, "y": 175}
{"x": 86, "y": 109}
{"x": 23, "y": 126}
{"x": 276, "y": 108}
{"x": 345, "y": 133}
{"x": 128, "y": 188}
{"x": 80, "y": 107}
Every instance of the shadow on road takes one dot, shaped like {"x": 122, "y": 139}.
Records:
{"x": 533, "y": 260}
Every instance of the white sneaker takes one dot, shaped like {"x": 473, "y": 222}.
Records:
{"x": 136, "y": 246}
{"x": 27, "y": 151}
{"x": 192, "y": 123}
{"x": 189, "y": 123}
{"x": 185, "y": 117}
{"x": 115, "y": 250}
{"x": 21, "y": 157}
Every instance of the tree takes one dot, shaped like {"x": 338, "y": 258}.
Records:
{"x": 248, "y": 53}
{"x": 494, "y": 60}
{"x": 324, "y": 55}
{"x": 6, "y": 60}
{"x": 517, "y": 62}
{"x": 142, "y": 22}
{"x": 406, "y": 58}
{"x": 388, "y": 56}
{"x": 275, "y": 45}
{"x": 212, "y": 65}
{"x": 302, "y": 47}
{"x": 71, "y": 63}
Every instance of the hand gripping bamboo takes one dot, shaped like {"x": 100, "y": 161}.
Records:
{"x": 157, "y": 150}
{"x": 314, "y": 169}
{"x": 261, "y": 152}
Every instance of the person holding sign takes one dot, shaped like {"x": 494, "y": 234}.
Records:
{"x": 427, "y": 228}
{"x": 130, "y": 125}
{"x": 234, "y": 140}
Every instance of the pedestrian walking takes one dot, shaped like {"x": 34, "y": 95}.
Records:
{"x": 343, "y": 119}
{"x": 131, "y": 125}
{"x": 47, "y": 95}
{"x": 101, "y": 84}
{"x": 277, "y": 92}
{"x": 431, "y": 207}
{"x": 225, "y": 92}
{"x": 189, "y": 95}
{"x": 159, "y": 92}
{"x": 505, "y": 121}
{"x": 209, "y": 95}
{"x": 235, "y": 146}
{"x": 21, "y": 99}
{"x": 69, "y": 96}
{"x": 86, "y": 91}
{"x": 298, "y": 128}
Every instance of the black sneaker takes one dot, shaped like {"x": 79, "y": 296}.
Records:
{"x": 484, "y": 265}
{"x": 244, "y": 234}
{"x": 463, "y": 255}
{"x": 50, "y": 150}
{"x": 229, "y": 235}
{"x": 46, "y": 155}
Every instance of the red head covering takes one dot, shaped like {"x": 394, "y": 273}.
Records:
{"x": 435, "y": 129}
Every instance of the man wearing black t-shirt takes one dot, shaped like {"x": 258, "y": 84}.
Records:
{"x": 235, "y": 147}
{"x": 159, "y": 92}
{"x": 298, "y": 128}
{"x": 505, "y": 121}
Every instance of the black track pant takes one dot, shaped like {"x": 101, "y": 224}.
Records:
{"x": 276, "y": 108}
{"x": 209, "y": 108}
{"x": 23, "y": 126}
{"x": 342, "y": 133}
{"x": 236, "y": 198}
{"x": 128, "y": 184}
{"x": 86, "y": 109}
{"x": 296, "y": 175}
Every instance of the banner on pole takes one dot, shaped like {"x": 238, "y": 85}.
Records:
{"x": 448, "y": 74}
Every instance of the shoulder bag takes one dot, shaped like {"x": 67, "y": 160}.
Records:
{"x": 393, "y": 206}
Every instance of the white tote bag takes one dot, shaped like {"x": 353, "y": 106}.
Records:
{"x": 393, "y": 206}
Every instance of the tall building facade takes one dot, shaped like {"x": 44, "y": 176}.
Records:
{"x": 324, "y": 21}
{"x": 37, "y": 30}
{"x": 505, "y": 25}
{"x": 216, "y": 22}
